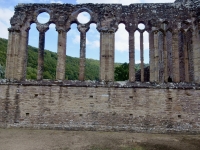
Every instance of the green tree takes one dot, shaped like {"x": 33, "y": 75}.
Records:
{"x": 2, "y": 72}
{"x": 122, "y": 72}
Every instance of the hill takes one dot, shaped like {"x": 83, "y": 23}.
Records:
{"x": 72, "y": 65}
{"x": 50, "y": 61}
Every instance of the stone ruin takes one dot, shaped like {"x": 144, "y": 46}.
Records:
{"x": 170, "y": 102}
{"x": 173, "y": 38}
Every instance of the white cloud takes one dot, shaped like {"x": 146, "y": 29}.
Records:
{"x": 124, "y": 2}
{"x": 158, "y": 1}
{"x": 137, "y": 40}
{"x": 145, "y": 40}
{"x": 83, "y": 17}
{"x": 54, "y": 1}
{"x": 76, "y": 39}
{"x": 26, "y": 1}
{"x": 5, "y": 15}
{"x": 93, "y": 43}
{"x": 89, "y": 43}
{"x": 137, "y": 62}
{"x": 121, "y": 39}
{"x": 4, "y": 31}
{"x": 43, "y": 17}
{"x": 44, "y": 1}
{"x": 52, "y": 26}
{"x": 93, "y": 37}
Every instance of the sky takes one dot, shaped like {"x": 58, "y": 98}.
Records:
{"x": 73, "y": 35}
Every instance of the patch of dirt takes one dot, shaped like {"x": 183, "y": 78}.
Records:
{"x": 27, "y": 139}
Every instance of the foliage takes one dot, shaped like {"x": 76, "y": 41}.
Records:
{"x": 122, "y": 71}
{"x": 2, "y": 72}
{"x": 72, "y": 65}
{"x": 50, "y": 62}
{"x": 3, "y": 48}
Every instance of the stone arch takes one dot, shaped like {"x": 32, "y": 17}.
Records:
{"x": 121, "y": 37}
{"x": 145, "y": 26}
{"x": 164, "y": 25}
{"x": 121, "y": 22}
{"x": 74, "y": 15}
{"x": 39, "y": 11}
{"x": 107, "y": 17}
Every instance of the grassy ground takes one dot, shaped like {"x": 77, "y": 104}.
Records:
{"x": 26, "y": 139}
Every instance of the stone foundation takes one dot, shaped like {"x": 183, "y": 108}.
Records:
{"x": 75, "y": 105}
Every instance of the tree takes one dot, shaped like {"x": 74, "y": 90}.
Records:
{"x": 122, "y": 72}
{"x": 2, "y": 72}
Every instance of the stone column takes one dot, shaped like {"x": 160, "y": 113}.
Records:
{"x": 156, "y": 57}
{"x": 42, "y": 29}
{"x": 175, "y": 50}
{"x": 41, "y": 56}
{"x": 107, "y": 46}
{"x": 12, "y": 54}
{"x": 169, "y": 56}
{"x": 151, "y": 56}
{"x": 186, "y": 59}
{"x": 82, "y": 29}
{"x": 9, "y": 56}
{"x": 165, "y": 58}
{"x": 142, "y": 56}
{"x": 131, "y": 56}
{"x": 196, "y": 53}
{"x": 15, "y": 46}
{"x": 61, "y": 53}
{"x": 23, "y": 55}
{"x": 181, "y": 56}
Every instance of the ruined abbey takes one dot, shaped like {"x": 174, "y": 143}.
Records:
{"x": 169, "y": 102}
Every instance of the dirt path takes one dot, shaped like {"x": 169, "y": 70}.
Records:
{"x": 25, "y": 139}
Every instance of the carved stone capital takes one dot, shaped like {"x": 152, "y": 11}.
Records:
{"x": 107, "y": 20}
{"x": 14, "y": 29}
{"x": 18, "y": 18}
{"x": 60, "y": 19}
{"x": 154, "y": 29}
{"x": 83, "y": 28}
{"x": 175, "y": 32}
{"x": 130, "y": 27}
{"x": 60, "y": 29}
{"x": 42, "y": 28}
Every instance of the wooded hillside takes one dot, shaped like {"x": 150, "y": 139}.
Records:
{"x": 72, "y": 65}
{"x": 50, "y": 61}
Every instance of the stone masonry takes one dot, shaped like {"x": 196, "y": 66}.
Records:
{"x": 146, "y": 107}
{"x": 169, "y": 102}
{"x": 173, "y": 38}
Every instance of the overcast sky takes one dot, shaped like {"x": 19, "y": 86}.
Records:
{"x": 73, "y": 38}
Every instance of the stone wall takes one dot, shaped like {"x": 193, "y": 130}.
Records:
{"x": 97, "y": 106}
{"x": 82, "y": 105}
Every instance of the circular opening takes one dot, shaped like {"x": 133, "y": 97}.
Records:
{"x": 43, "y": 17}
{"x": 141, "y": 26}
{"x": 83, "y": 17}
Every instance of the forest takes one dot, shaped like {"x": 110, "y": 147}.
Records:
{"x": 72, "y": 65}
